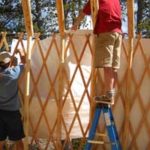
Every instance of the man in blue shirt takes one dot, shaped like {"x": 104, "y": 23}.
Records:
{"x": 11, "y": 126}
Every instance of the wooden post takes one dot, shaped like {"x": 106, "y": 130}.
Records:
{"x": 27, "y": 91}
{"x": 29, "y": 29}
{"x": 94, "y": 9}
{"x": 130, "y": 11}
{"x": 60, "y": 12}
{"x": 27, "y": 16}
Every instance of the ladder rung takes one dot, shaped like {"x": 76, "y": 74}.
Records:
{"x": 101, "y": 134}
{"x": 99, "y": 142}
{"x": 95, "y": 142}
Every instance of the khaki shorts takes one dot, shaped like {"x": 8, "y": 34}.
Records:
{"x": 107, "y": 50}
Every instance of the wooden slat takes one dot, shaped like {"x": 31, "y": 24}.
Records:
{"x": 61, "y": 23}
{"x": 60, "y": 13}
{"x": 130, "y": 11}
{"x": 27, "y": 91}
{"x": 94, "y": 10}
{"x": 26, "y": 6}
{"x": 29, "y": 29}
{"x": 3, "y": 41}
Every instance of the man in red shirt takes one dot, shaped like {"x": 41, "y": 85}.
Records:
{"x": 107, "y": 42}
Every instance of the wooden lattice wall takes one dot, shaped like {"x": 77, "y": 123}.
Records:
{"x": 48, "y": 108}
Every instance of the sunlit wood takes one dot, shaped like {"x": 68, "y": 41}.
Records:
{"x": 26, "y": 6}
{"x": 130, "y": 12}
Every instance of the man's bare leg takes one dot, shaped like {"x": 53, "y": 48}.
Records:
{"x": 19, "y": 145}
{"x": 109, "y": 78}
{"x": 1, "y": 144}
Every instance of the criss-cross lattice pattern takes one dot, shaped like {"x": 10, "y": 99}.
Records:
{"x": 60, "y": 91}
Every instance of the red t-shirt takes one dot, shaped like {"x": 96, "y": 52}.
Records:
{"x": 108, "y": 17}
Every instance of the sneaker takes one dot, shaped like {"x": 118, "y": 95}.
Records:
{"x": 111, "y": 93}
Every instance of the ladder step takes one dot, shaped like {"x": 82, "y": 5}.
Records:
{"x": 95, "y": 142}
{"x": 101, "y": 134}
{"x": 100, "y": 142}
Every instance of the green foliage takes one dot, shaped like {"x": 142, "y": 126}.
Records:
{"x": 144, "y": 27}
{"x": 10, "y": 16}
{"x": 143, "y": 15}
{"x": 76, "y": 144}
{"x": 45, "y": 20}
{"x": 71, "y": 11}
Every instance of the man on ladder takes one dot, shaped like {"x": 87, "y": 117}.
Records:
{"x": 108, "y": 39}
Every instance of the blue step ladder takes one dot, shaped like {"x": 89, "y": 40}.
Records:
{"x": 105, "y": 108}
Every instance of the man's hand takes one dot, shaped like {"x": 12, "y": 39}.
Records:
{"x": 78, "y": 20}
{"x": 22, "y": 56}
